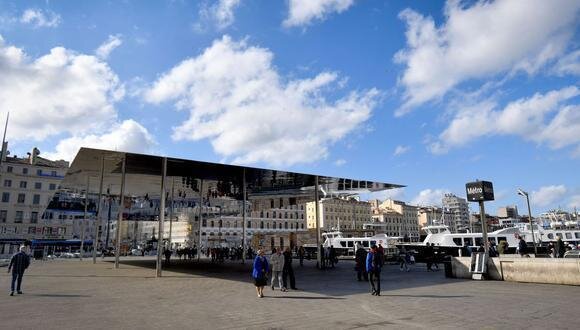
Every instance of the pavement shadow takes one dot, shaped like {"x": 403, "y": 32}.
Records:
{"x": 334, "y": 282}
{"x": 303, "y": 297}
{"x": 52, "y": 295}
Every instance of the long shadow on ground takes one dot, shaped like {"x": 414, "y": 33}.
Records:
{"x": 335, "y": 282}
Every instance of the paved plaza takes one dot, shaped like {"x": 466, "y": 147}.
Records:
{"x": 74, "y": 294}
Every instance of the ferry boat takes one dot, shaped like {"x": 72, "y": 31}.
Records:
{"x": 346, "y": 246}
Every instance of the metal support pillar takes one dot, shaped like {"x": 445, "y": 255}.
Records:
{"x": 84, "y": 218}
{"x": 244, "y": 216}
{"x": 120, "y": 215}
{"x": 161, "y": 218}
{"x": 200, "y": 219}
{"x": 171, "y": 211}
{"x": 483, "y": 226}
{"x": 532, "y": 226}
{"x": 317, "y": 218}
{"x": 98, "y": 213}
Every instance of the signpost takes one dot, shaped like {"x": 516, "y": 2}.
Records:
{"x": 481, "y": 191}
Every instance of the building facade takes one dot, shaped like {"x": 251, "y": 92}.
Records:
{"x": 458, "y": 211}
{"x": 347, "y": 215}
{"x": 27, "y": 187}
{"x": 398, "y": 218}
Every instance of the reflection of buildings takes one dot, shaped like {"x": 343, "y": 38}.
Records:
{"x": 28, "y": 185}
{"x": 344, "y": 214}
{"x": 458, "y": 211}
{"x": 221, "y": 224}
{"x": 398, "y": 218}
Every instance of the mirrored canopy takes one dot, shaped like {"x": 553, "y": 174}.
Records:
{"x": 143, "y": 176}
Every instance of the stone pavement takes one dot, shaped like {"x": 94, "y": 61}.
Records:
{"x": 74, "y": 294}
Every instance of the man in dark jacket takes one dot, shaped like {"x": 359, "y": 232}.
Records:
{"x": 18, "y": 264}
{"x": 559, "y": 247}
{"x": 523, "y": 248}
{"x": 288, "y": 271}
{"x": 374, "y": 264}
{"x": 361, "y": 258}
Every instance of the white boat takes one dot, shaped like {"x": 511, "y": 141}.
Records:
{"x": 440, "y": 235}
{"x": 543, "y": 235}
{"x": 347, "y": 245}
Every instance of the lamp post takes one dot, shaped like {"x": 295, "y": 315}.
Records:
{"x": 523, "y": 193}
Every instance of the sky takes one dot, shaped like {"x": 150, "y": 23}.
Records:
{"x": 427, "y": 94}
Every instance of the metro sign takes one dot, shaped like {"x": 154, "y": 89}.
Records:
{"x": 479, "y": 191}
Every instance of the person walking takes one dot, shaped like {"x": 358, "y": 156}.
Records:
{"x": 18, "y": 264}
{"x": 373, "y": 266}
{"x": 301, "y": 253}
{"x": 167, "y": 254}
{"x": 277, "y": 264}
{"x": 403, "y": 259}
{"x": 288, "y": 271}
{"x": 381, "y": 252}
{"x": 260, "y": 272}
{"x": 360, "y": 267}
{"x": 332, "y": 256}
{"x": 559, "y": 248}
{"x": 523, "y": 247}
{"x": 428, "y": 253}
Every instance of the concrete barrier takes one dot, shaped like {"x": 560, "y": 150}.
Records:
{"x": 516, "y": 269}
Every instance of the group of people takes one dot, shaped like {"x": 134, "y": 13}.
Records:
{"x": 279, "y": 268}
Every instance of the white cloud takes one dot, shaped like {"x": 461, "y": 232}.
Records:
{"x": 479, "y": 41}
{"x": 237, "y": 99}
{"x": 542, "y": 118}
{"x": 303, "y": 12}
{"x": 108, "y": 46}
{"x": 547, "y": 195}
{"x": 569, "y": 64}
{"x": 127, "y": 136}
{"x": 221, "y": 13}
{"x": 339, "y": 162}
{"x": 56, "y": 93}
{"x": 429, "y": 197}
{"x": 574, "y": 202}
{"x": 39, "y": 18}
{"x": 399, "y": 150}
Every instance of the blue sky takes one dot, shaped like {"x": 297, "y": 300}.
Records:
{"x": 429, "y": 94}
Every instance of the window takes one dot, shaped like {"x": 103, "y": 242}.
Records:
{"x": 36, "y": 199}
{"x": 3, "y": 216}
{"x": 38, "y": 185}
{"x": 7, "y": 183}
{"x": 52, "y": 186}
{"x": 568, "y": 235}
{"x": 21, "y": 198}
{"x": 286, "y": 225}
{"x": 457, "y": 241}
{"x": 38, "y": 172}
{"x": 53, "y": 173}
{"x": 9, "y": 169}
{"x": 18, "y": 217}
{"x": 467, "y": 241}
{"x": 25, "y": 170}
{"x": 34, "y": 217}
{"x": 32, "y": 230}
{"x": 23, "y": 184}
{"x": 249, "y": 225}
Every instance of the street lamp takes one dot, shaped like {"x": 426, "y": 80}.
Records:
{"x": 523, "y": 193}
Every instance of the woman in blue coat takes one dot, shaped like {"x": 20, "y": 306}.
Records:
{"x": 374, "y": 262}
{"x": 260, "y": 273}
